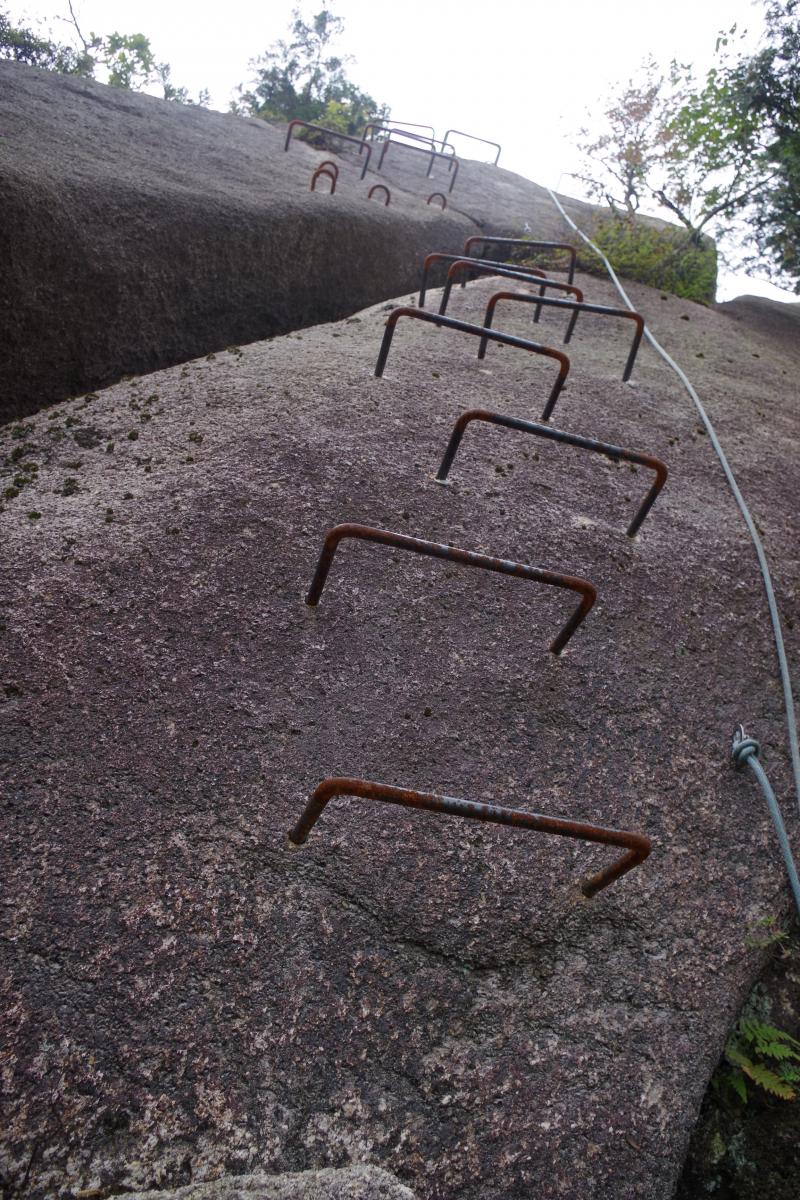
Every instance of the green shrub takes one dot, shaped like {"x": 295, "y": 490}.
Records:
{"x": 662, "y": 257}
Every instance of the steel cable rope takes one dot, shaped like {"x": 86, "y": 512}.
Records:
{"x": 744, "y": 749}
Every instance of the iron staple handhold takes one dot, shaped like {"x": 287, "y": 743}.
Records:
{"x": 344, "y": 137}
{"x": 380, "y": 187}
{"x": 472, "y": 138}
{"x": 438, "y": 256}
{"x": 507, "y": 339}
{"x": 637, "y": 845}
{"x": 466, "y": 264}
{"x": 323, "y": 170}
{"x": 559, "y": 435}
{"x": 481, "y": 240}
{"x": 469, "y": 558}
{"x": 576, "y": 306}
{"x": 452, "y": 162}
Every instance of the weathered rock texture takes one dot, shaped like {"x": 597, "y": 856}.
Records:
{"x": 350, "y": 1183}
{"x": 136, "y": 233}
{"x": 187, "y": 998}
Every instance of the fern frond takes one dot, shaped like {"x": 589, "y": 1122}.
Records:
{"x": 769, "y": 1081}
{"x": 765, "y": 1035}
{"x": 737, "y": 1057}
{"x": 778, "y": 1050}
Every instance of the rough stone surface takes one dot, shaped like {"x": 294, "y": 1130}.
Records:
{"x": 350, "y": 1183}
{"x": 138, "y": 233}
{"x": 184, "y": 997}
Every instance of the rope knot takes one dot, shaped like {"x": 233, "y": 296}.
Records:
{"x": 743, "y": 747}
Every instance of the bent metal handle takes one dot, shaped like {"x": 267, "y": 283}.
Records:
{"x": 467, "y": 558}
{"x": 577, "y": 307}
{"x": 480, "y": 240}
{"x": 507, "y": 339}
{"x": 380, "y": 187}
{"x": 636, "y": 845}
{"x": 558, "y": 435}
{"x": 467, "y": 264}
{"x": 320, "y": 171}
{"x": 430, "y": 259}
{"x": 343, "y": 137}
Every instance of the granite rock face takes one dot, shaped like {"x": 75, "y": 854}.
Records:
{"x": 137, "y": 233}
{"x": 185, "y": 997}
{"x": 349, "y": 1183}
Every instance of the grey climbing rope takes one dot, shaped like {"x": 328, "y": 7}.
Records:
{"x": 745, "y": 750}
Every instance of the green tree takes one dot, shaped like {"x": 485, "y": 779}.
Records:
{"x": 695, "y": 150}
{"x": 21, "y": 44}
{"x": 769, "y": 83}
{"x": 302, "y": 78}
{"x": 123, "y": 60}
{"x": 720, "y": 156}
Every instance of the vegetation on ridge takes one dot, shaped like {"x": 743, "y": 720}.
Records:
{"x": 721, "y": 155}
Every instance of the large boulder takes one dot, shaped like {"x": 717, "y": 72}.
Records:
{"x": 138, "y": 233}
{"x": 187, "y": 997}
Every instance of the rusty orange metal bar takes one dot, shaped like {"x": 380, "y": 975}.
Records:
{"x": 615, "y": 453}
{"x": 507, "y": 339}
{"x": 636, "y": 846}
{"x": 466, "y": 558}
{"x": 480, "y": 240}
{"x": 437, "y": 256}
{"x": 523, "y": 274}
{"x": 575, "y": 307}
{"x": 380, "y": 187}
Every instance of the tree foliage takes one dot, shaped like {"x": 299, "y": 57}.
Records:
{"x": 721, "y": 155}
{"x": 302, "y": 78}
{"x": 120, "y": 60}
{"x": 769, "y": 83}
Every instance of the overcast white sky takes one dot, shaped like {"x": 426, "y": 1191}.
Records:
{"x": 525, "y": 73}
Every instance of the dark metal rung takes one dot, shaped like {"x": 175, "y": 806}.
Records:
{"x": 452, "y": 162}
{"x": 380, "y": 187}
{"x": 636, "y": 845}
{"x": 576, "y": 306}
{"x": 480, "y": 240}
{"x": 343, "y": 137}
{"x": 507, "y": 339}
{"x": 616, "y": 453}
{"x": 466, "y": 264}
{"x": 436, "y": 256}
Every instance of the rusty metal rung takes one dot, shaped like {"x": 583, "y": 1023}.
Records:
{"x": 379, "y": 125}
{"x": 437, "y": 256}
{"x": 343, "y": 137}
{"x": 467, "y": 264}
{"x": 636, "y": 845}
{"x": 616, "y": 453}
{"x": 576, "y": 306}
{"x": 324, "y": 169}
{"x": 438, "y": 196}
{"x": 467, "y": 558}
{"x": 380, "y": 187}
{"x": 480, "y": 240}
{"x": 452, "y": 162}
{"x": 507, "y": 339}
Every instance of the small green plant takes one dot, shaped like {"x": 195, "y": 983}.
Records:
{"x": 660, "y": 256}
{"x": 765, "y": 932}
{"x": 764, "y": 1055}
